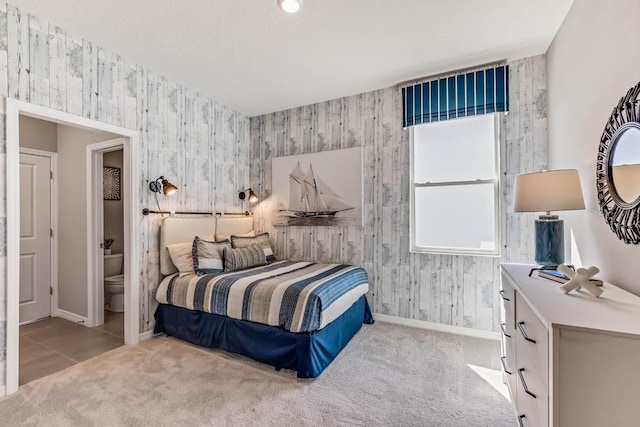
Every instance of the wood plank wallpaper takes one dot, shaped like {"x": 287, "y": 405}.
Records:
{"x": 447, "y": 289}
{"x": 196, "y": 143}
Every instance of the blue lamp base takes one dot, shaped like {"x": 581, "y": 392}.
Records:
{"x": 549, "y": 240}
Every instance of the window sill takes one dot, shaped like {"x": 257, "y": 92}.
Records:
{"x": 459, "y": 252}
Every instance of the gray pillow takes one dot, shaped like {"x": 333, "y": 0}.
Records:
{"x": 241, "y": 258}
{"x": 261, "y": 239}
{"x": 208, "y": 256}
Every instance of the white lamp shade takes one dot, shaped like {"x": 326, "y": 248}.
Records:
{"x": 548, "y": 191}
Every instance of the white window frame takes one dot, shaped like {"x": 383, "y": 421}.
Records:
{"x": 496, "y": 186}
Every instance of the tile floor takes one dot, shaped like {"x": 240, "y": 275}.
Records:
{"x": 54, "y": 344}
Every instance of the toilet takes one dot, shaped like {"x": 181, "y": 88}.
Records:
{"x": 114, "y": 282}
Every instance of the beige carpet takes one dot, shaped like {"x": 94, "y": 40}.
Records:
{"x": 388, "y": 375}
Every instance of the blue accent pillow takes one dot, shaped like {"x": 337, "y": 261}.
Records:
{"x": 243, "y": 258}
{"x": 208, "y": 256}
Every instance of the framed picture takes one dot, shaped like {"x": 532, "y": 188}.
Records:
{"x": 318, "y": 188}
{"x": 111, "y": 183}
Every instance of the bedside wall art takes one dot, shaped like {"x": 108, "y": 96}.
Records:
{"x": 111, "y": 182}
{"x": 322, "y": 188}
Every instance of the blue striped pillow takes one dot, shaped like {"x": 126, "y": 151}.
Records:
{"x": 261, "y": 239}
{"x": 241, "y": 258}
{"x": 208, "y": 256}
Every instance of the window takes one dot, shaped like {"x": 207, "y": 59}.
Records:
{"x": 455, "y": 186}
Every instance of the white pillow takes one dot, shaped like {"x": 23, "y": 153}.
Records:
{"x": 223, "y": 237}
{"x": 182, "y": 257}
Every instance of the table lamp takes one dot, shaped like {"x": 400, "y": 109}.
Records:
{"x": 548, "y": 191}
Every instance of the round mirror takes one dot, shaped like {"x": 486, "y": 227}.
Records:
{"x": 618, "y": 168}
{"x": 625, "y": 164}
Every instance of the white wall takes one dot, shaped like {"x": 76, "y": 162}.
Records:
{"x": 72, "y": 216}
{"x": 114, "y": 209}
{"x": 38, "y": 134}
{"x": 591, "y": 63}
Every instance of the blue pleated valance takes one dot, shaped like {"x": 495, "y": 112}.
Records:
{"x": 469, "y": 94}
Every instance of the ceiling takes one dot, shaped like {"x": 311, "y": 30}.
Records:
{"x": 254, "y": 58}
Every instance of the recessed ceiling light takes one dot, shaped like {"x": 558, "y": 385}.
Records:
{"x": 290, "y": 6}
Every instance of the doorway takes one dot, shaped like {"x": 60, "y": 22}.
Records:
{"x": 131, "y": 265}
{"x": 106, "y": 220}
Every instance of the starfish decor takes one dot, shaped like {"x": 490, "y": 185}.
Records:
{"x": 580, "y": 279}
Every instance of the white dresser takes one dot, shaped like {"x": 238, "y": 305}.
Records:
{"x": 569, "y": 359}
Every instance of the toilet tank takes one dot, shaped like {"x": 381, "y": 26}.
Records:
{"x": 113, "y": 264}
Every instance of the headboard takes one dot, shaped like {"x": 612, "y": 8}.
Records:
{"x": 227, "y": 226}
{"x": 183, "y": 230}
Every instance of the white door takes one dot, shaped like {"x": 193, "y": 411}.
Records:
{"x": 35, "y": 237}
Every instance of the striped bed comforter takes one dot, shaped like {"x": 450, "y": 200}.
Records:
{"x": 297, "y": 296}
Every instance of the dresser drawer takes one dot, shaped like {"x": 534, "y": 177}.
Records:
{"x": 532, "y": 343}
{"x": 509, "y": 352}
{"x": 531, "y": 412}
{"x": 508, "y": 361}
{"x": 532, "y": 393}
{"x": 507, "y": 307}
{"x": 507, "y": 332}
{"x": 531, "y": 374}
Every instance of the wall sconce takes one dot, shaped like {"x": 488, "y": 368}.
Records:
{"x": 161, "y": 184}
{"x": 252, "y": 197}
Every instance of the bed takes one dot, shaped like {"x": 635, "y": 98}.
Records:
{"x": 291, "y": 315}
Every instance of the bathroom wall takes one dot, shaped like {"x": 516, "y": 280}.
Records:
{"x": 38, "y": 134}
{"x": 114, "y": 209}
{"x": 72, "y": 216}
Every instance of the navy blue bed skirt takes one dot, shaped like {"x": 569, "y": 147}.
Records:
{"x": 306, "y": 353}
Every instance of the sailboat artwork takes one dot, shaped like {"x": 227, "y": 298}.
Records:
{"x": 310, "y": 196}
{"x": 319, "y": 188}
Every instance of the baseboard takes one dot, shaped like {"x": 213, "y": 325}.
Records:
{"x": 72, "y": 317}
{"x": 423, "y": 324}
{"x": 144, "y": 336}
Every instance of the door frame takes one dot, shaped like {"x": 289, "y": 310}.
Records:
{"x": 53, "y": 158}
{"x": 95, "y": 224}
{"x": 14, "y": 109}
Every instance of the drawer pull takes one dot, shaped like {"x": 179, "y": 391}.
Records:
{"x": 501, "y": 292}
{"x": 504, "y": 331}
{"x": 524, "y": 384}
{"x": 520, "y": 418}
{"x": 524, "y": 334}
{"x": 504, "y": 365}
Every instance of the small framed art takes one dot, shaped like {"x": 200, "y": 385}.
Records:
{"x": 111, "y": 182}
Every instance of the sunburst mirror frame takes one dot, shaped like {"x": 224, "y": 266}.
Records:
{"x": 622, "y": 217}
